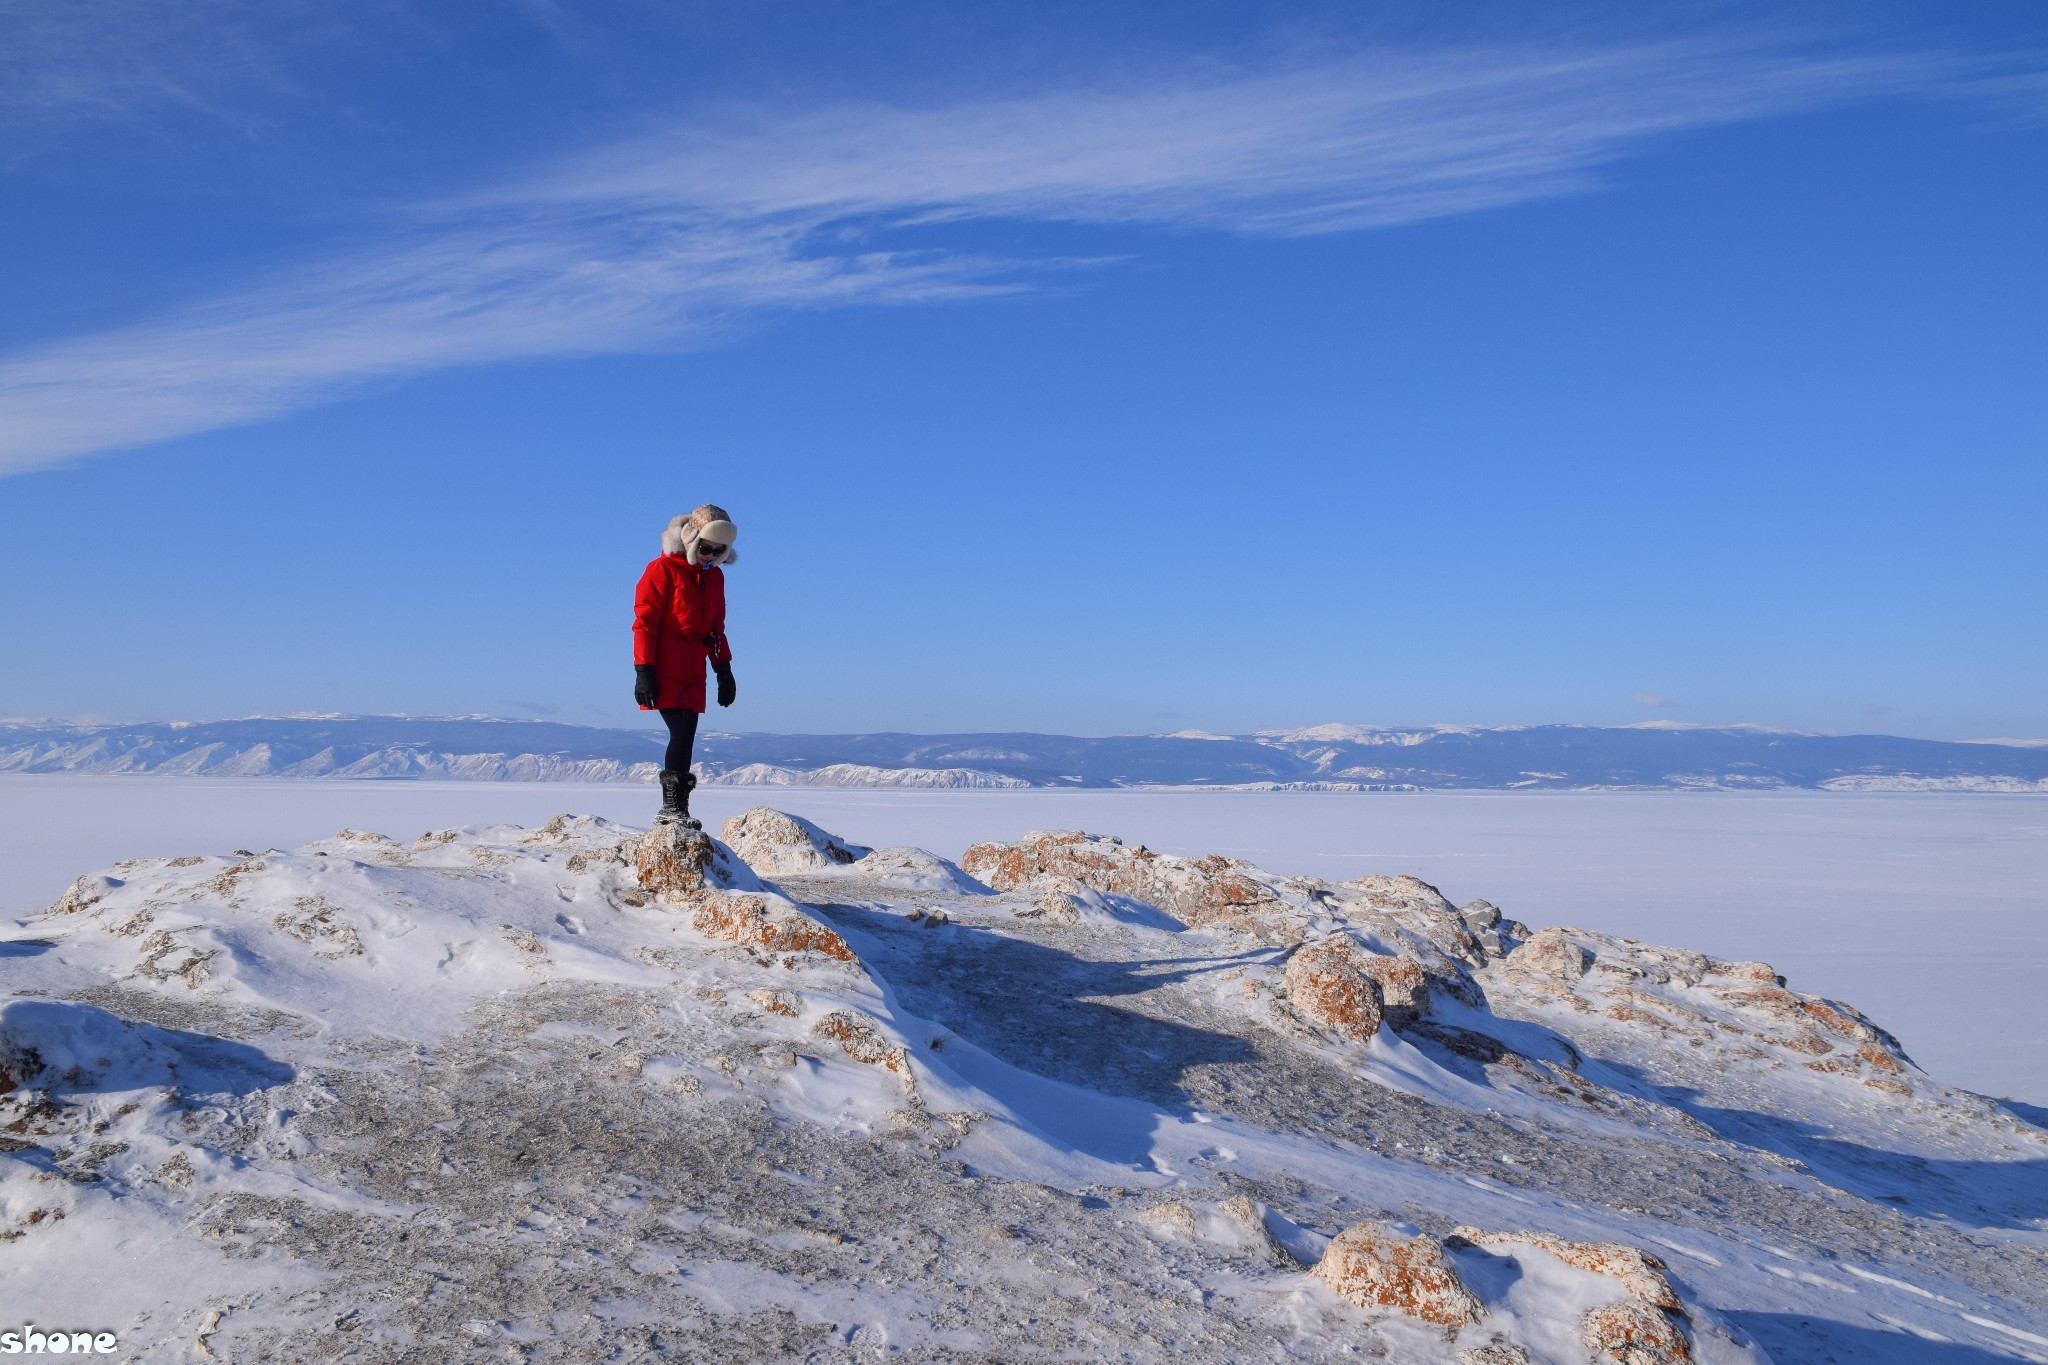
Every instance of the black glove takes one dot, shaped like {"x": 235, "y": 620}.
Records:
{"x": 727, "y": 688}
{"x": 643, "y": 684}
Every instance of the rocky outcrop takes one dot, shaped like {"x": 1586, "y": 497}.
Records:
{"x": 769, "y": 925}
{"x": 1205, "y": 893}
{"x": 1633, "y": 1333}
{"x": 1399, "y": 893}
{"x": 688, "y": 870}
{"x": 1653, "y": 993}
{"x": 84, "y": 893}
{"x": 1328, "y": 984}
{"x": 1425, "y": 945}
{"x": 771, "y": 842}
{"x": 1373, "y": 1267}
{"x": 1646, "y": 1328}
{"x": 1640, "y": 1274}
{"x": 1549, "y": 952}
{"x": 549, "y": 996}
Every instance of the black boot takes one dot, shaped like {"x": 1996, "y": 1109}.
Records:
{"x": 675, "y": 799}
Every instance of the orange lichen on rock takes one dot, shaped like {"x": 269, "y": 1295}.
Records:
{"x": 1640, "y": 1273}
{"x": 1373, "y": 1267}
{"x": 1404, "y": 986}
{"x": 862, "y": 1039}
{"x": 1634, "y": 1333}
{"x": 753, "y": 922}
{"x": 1102, "y": 863}
{"x": 1771, "y": 999}
{"x": 1328, "y": 984}
{"x": 1841, "y": 1021}
{"x": 677, "y": 862}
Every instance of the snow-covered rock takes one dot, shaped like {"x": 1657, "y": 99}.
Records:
{"x": 772, "y": 843}
{"x": 1207, "y": 893}
{"x": 1639, "y": 1273}
{"x": 677, "y": 862}
{"x": 1631, "y": 1332}
{"x": 1552, "y": 953}
{"x": 1376, "y": 1268}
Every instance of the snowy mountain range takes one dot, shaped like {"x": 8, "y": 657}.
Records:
{"x": 583, "y": 1093}
{"x": 1327, "y": 757}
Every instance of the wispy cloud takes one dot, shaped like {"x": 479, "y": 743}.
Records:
{"x": 657, "y": 241}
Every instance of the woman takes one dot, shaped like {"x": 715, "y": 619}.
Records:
{"x": 678, "y": 623}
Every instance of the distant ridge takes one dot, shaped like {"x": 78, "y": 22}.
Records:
{"x": 1318, "y": 758}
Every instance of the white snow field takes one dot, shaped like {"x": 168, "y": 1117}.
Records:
{"x": 1927, "y": 911}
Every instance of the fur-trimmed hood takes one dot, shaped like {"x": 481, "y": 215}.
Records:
{"x": 683, "y": 532}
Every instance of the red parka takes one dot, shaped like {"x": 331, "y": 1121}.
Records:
{"x": 679, "y": 622}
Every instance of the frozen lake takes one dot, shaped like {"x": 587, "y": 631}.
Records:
{"x": 1928, "y": 912}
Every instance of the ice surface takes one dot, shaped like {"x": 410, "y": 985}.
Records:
{"x": 1929, "y": 912}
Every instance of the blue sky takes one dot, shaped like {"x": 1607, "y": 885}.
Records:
{"x": 1093, "y": 368}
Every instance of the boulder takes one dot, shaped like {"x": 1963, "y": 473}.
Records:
{"x": 1486, "y": 925}
{"x": 860, "y": 1037}
{"x": 1480, "y": 916}
{"x": 677, "y": 864}
{"x": 1328, "y": 985}
{"x": 1633, "y": 1333}
{"x": 1373, "y": 1267}
{"x": 1550, "y": 953}
{"x": 772, "y": 842}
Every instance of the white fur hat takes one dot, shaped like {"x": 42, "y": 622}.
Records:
{"x": 709, "y": 522}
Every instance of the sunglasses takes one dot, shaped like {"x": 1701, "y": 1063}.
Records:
{"x": 710, "y": 549}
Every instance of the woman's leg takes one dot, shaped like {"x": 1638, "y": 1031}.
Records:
{"x": 682, "y": 738}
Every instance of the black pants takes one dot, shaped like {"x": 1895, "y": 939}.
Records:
{"x": 682, "y": 736}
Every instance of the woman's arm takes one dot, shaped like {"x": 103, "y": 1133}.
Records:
{"x": 721, "y": 648}
{"x": 649, "y": 602}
